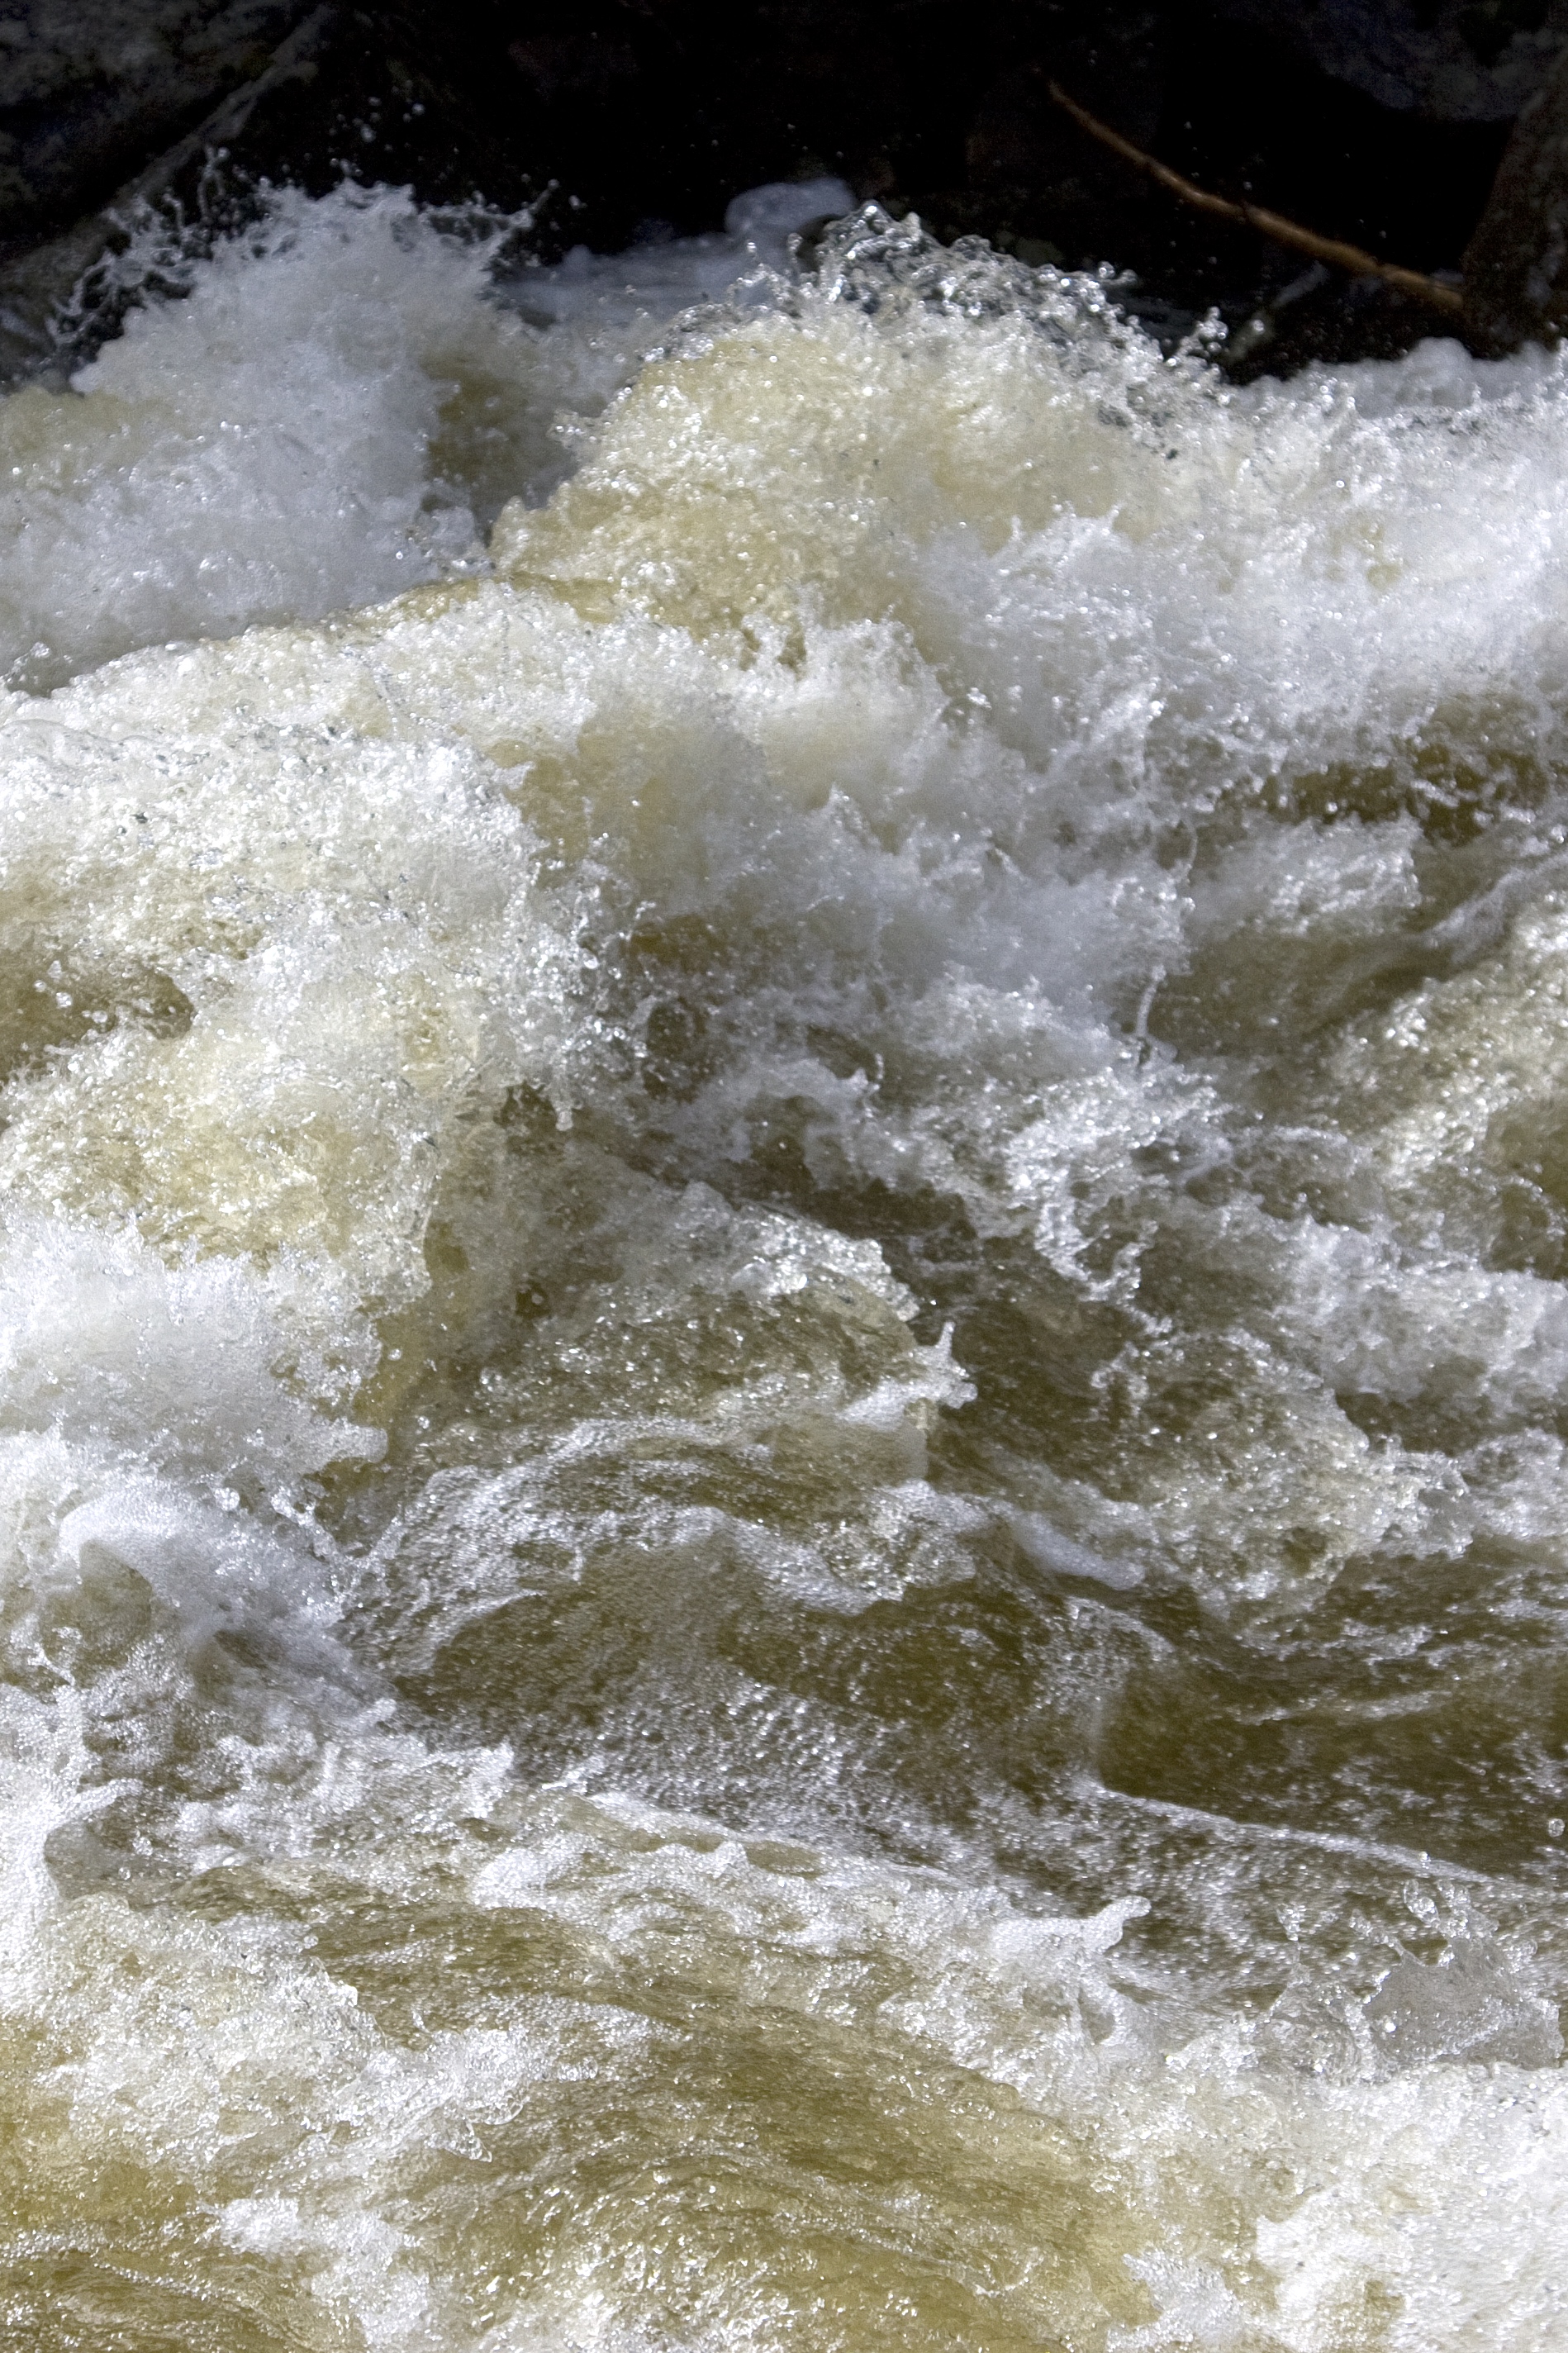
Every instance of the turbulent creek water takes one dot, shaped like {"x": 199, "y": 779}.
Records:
{"x": 784, "y": 1317}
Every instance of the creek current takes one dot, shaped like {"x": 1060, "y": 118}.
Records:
{"x": 783, "y": 1316}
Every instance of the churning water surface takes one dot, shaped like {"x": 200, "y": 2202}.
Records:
{"x": 784, "y": 1317}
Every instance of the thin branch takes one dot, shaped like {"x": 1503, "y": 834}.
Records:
{"x": 1338, "y": 254}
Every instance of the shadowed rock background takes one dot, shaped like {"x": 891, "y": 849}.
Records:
{"x": 1381, "y": 122}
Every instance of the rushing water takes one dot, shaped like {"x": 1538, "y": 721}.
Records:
{"x": 784, "y": 1318}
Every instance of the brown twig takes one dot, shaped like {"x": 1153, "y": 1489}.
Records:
{"x": 1331, "y": 249}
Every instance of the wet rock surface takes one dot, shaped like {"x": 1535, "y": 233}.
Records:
{"x": 1516, "y": 267}
{"x": 609, "y": 117}
{"x": 1452, "y": 61}
{"x": 91, "y": 90}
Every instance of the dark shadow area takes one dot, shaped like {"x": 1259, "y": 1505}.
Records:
{"x": 610, "y": 118}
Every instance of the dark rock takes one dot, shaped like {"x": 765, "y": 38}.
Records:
{"x": 92, "y": 89}
{"x": 1516, "y": 265}
{"x": 1452, "y": 61}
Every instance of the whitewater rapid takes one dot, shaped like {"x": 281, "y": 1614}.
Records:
{"x": 783, "y": 1314}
